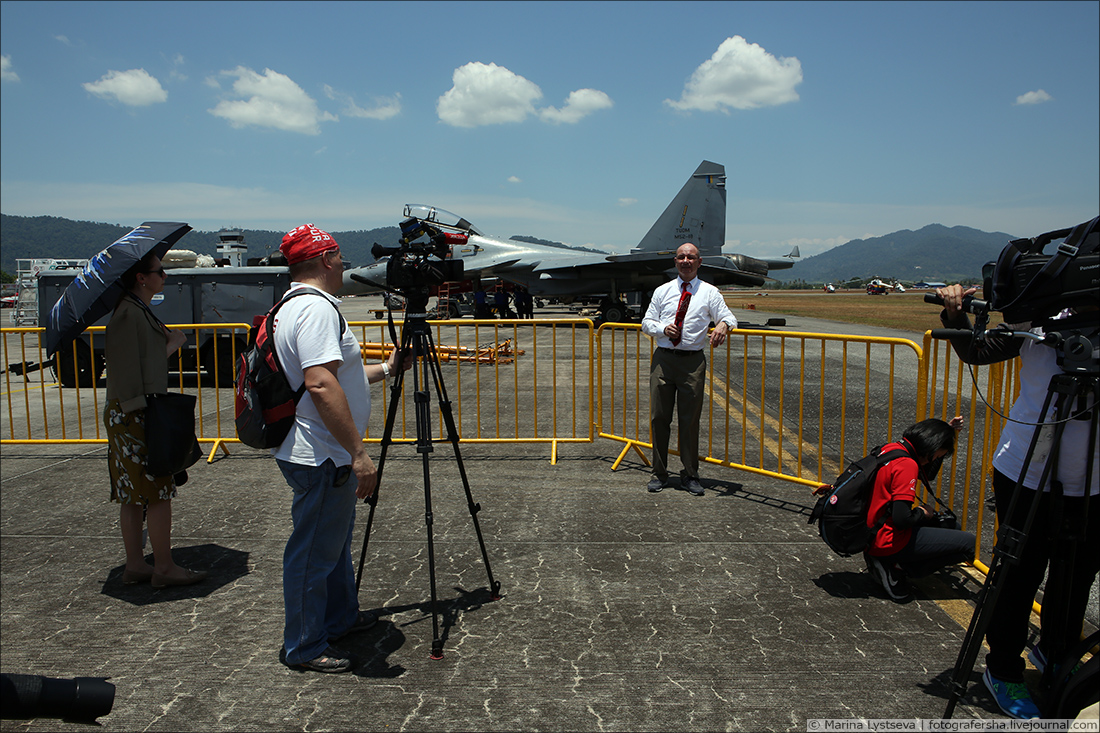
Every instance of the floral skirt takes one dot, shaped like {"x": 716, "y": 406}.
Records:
{"x": 131, "y": 483}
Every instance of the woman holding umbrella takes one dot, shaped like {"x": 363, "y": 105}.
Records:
{"x": 137, "y": 349}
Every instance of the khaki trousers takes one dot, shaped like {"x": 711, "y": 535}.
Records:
{"x": 676, "y": 379}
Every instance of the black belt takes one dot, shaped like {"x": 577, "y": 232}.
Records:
{"x": 679, "y": 352}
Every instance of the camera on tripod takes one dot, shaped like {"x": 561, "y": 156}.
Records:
{"x": 423, "y": 259}
{"x": 1026, "y": 285}
{"x": 1029, "y": 287}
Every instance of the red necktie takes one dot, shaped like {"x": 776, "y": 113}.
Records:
{"x": 681, "y": 311}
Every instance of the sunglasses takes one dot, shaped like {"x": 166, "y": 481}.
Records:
{"x": 160, "y": 272}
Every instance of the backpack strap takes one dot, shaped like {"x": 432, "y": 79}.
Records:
{"x": 270, "y": 326}
{"x": 882, "y": 460}
{"x": 307, "y": 290}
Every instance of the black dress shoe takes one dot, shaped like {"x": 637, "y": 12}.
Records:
{"x": 693, "y": 486}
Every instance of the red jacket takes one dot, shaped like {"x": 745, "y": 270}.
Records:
{"x": 896, "y": 481}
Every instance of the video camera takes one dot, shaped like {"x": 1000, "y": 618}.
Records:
{"x": 1026, "y": 285}
{"x": 423, "y": 259}
{"x": 1029, "y": 287}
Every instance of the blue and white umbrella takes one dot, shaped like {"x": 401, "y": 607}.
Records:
{"x": 96, "y": 290}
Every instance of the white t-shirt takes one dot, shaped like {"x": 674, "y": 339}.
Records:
{"x": 307, "y": 333}
{"x": 1038, "y": 363}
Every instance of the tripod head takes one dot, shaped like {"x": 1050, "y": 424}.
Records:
{"x": 1077, "y": 341}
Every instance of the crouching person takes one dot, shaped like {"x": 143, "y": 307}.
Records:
{"x": 910, "y": 540}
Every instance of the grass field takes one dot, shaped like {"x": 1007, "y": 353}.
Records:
{"x": 905, "y": 311}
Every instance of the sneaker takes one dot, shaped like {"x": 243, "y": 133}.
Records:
{"x": 889, "y": 578}
{"x": 330, "y": 661}
{"x": 1012, "y": 698}
{"x": 364, "y": 621}
{"x": 1038, "y": 658}
{"x": 693, "y": 486}
{"x": 656, "y": 484}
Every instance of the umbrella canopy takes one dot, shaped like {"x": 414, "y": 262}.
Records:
{"x": 96, "y": 290}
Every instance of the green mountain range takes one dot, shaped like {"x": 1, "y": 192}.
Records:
{"x": 934, "y": 252}
{"x": 31, "y": 237}
{"x": 28, "y": 237}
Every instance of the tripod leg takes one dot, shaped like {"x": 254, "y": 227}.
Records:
{"x": 417, "y": 335}
{"x": 453, "y": 437}
{"x": 387, "y": 440}
{"x": 1069, "y": 529}
{"x": 1007, "y": 552}
{"x": 422, "y": 402}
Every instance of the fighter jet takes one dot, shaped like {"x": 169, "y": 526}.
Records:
{"x": 697, "y": 214}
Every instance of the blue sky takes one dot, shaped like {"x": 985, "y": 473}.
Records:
{"x": 575, "y": 122}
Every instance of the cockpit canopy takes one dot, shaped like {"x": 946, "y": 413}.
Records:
{"x": 440, "y": 217}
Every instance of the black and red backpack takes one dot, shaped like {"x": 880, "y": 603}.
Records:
{"x": 265, "y": 403}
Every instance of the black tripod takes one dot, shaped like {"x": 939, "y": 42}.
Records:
{"x": 416, "y": 340}
{"x": 1064, "y": 390}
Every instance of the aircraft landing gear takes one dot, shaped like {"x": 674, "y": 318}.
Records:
{"x": 614, "y": 311}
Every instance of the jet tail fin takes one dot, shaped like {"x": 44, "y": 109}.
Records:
{"x": 786, "y": 262}
{"x": 697, "y": 215}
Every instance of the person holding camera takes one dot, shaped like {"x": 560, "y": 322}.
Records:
{"x": 678, "y": 319}
{"x": 911, "y": 540}
{"x": 323, "y": 458}
{"x": 1065, "y": 598}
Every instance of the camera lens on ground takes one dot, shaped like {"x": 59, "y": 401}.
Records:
{"x": 83, "y": 699}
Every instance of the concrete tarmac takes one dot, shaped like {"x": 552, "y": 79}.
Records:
{"x": 621, "y": 610}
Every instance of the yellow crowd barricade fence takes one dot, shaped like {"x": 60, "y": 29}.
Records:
{"x": 795, "y": 406}
{"x": 802, "y": 406}
{"x": 517, "y": 381}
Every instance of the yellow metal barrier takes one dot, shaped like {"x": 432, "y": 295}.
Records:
{"x": 75, "y": 414}
{"x": 983, "y": 396}
{"x": 514, "y": 381}
{"x": 518, "y": 381}
{"x": 797, "y": 406}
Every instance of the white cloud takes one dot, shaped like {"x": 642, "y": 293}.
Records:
{"x": 176, "y": 74}
{"x": 63, "y": 39}
{"x": 384, "y": 107}
{"x": 579, "y": 105}
{"x": 740, "y": 75}
{"x": 487, "y": 94}
{"x": 136, "y": 88}
{"x": 1036, "y": 97}
{"x": 6, "y": 71}
{"x": 514, "y": 179}
{"x": 627, "y": 201}
{"x": 270, "y": 99}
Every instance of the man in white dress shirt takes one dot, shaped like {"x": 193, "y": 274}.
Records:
{"x": 678, "y": 318}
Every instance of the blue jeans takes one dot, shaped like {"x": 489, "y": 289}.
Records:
{"x": 318, "y": 580}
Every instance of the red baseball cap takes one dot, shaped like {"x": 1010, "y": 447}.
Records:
{"x": 305, "y": 243}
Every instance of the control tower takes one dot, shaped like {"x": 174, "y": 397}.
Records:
{"x": 231, "y": 246}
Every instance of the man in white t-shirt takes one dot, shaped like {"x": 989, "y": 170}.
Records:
{"x": 678, "y": 318}
{"x": 323, "y": 458}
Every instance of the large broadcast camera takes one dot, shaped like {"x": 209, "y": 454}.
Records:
{"x": 1029, "y": 288}
{"x": 1026, "y": 285}
{"x": 423, "y": 259}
